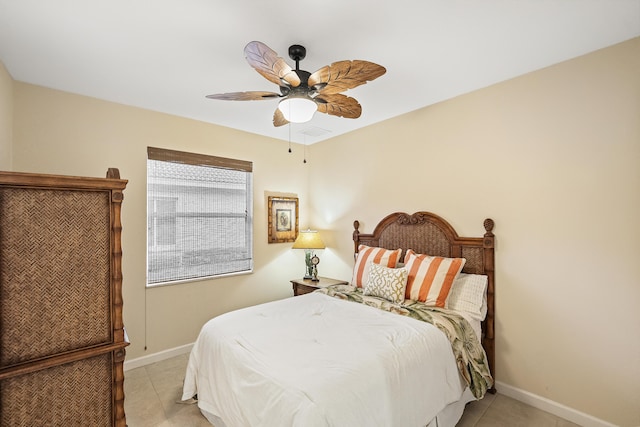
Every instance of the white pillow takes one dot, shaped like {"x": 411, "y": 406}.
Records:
{"x": 387, "y": 283}
{"x": 469, "y": 294}
{"x": 468, "y": 297}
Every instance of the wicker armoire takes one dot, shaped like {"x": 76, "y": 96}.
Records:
{"x": 62, "y": 339}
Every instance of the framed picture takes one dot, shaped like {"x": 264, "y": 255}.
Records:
{"x": 282, "y": 219}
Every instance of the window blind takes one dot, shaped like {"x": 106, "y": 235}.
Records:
{"x": 199, "y": 216}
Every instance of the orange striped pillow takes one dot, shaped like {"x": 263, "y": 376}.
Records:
{"x": 430, "y": 277}
{"x": 368, "y": 255}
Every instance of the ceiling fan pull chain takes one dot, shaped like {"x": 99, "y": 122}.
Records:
{"x": 305, "y": 149}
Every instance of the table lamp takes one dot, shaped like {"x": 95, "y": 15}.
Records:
{"x": 310, "y": 240}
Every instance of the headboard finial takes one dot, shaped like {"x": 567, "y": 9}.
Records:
{"x": 113, "y": 173}
{"x": 488, "y": 225}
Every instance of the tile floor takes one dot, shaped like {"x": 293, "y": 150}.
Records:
{"x": 152, "y": 393}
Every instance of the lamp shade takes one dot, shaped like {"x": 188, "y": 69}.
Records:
{"x": 297, "y": 109}
{"x": 308, "y": 239}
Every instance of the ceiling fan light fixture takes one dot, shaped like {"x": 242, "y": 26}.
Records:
{"x": 297, "y": 109}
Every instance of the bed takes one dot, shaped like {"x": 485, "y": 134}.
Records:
{"x": 405, "y": 343}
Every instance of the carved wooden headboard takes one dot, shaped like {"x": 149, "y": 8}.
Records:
{"x": 427, "y": 233}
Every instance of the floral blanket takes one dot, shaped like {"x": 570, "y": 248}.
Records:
{"x": 470, "y": 356}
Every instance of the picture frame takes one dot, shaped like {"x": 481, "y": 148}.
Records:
{"x": 282, "y": 219}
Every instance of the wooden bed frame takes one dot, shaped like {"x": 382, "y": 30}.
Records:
{"x": 427, "y": 233}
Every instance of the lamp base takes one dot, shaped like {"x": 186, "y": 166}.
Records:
{"x": 308, "y": 266}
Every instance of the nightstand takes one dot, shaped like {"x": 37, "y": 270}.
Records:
{"x": 304, "y": 286}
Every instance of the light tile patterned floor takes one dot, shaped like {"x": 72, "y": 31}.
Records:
{"x": 152, "y": 393}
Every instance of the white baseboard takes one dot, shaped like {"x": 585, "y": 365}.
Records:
{"x": 552, "y": 407}
{"x": 157, "y": 357}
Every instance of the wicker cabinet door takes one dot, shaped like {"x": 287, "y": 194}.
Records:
{"x": 72, "y": 394}
{"x": 55, "y": 268}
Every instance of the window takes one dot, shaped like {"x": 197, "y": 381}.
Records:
{"x": 199, "y": 216}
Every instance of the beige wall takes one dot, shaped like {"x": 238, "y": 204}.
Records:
{"x": 61, "y": 133}
{"x": 553, "y": 157}
{"x": 6, "y": 118}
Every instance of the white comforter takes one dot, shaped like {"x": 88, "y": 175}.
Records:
{"x": 314, "y": 360}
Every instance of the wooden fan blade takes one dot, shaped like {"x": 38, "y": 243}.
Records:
{"x": 337, "y": 104}
{"x": 343, "y": 75}
{"x": 278, "y": 118}
{"x": 244, "y": 96}
{"x": 267, "y": 62}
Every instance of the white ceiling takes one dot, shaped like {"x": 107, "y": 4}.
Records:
{"x": 166, "y": 55}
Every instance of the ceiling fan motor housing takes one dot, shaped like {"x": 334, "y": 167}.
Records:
{"x": 297, "y": 53}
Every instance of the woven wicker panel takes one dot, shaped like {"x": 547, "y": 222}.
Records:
{"x": 424, "y": 238}
{"x": 475, "y": 260}
{"x": 54, "y": 272}
{"x": 74, "y": 394}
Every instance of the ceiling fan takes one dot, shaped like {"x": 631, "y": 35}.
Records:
{"x": 304, "y": 93}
